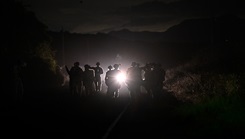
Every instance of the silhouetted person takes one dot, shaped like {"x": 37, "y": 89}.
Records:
{"x": 115, "y": 85}
{"x": 158, "y": 78}
{"x": 98, "y": 71}
{"x": 148, "y": 79}
{"x": 109, "y": 81}
{"x": 88, "y": 80}
{"x": 134, "y": 80}
{"x": 76, "y": 75}
{"x": 63, "y": 75}
{"x": 18, "y": 80}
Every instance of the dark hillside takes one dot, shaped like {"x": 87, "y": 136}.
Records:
{"x": 177, "y": 45}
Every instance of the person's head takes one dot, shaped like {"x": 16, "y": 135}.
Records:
{"x": 76, "y": 64}
{"x": 98, "y": 63}
{"x": 110, "y": 67}
{"x": 116, "y": 66}
{"x": 86, "y": 66}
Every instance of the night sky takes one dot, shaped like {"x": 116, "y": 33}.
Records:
{"x": 105, "y": 16}
{"x": 93, "y": 16}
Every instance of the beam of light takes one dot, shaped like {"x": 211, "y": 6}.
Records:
{"x": 121, "y": 77}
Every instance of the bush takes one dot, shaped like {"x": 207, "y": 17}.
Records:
{"x": 199, "y": 86}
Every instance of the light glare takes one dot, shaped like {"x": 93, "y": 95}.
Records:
{"x": 121, "y": 77}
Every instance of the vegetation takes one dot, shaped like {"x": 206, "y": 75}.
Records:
{"x": 26, "y": 40}
{"x": 213, "y": 94}
{"x": 199, "y": 87}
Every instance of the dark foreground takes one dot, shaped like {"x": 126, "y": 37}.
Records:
{"x": 55, "y": 113}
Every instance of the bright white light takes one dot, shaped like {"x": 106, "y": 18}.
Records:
{"x": 121, "y": 77}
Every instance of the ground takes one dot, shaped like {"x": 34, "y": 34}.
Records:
{"x": 57, "y": 113}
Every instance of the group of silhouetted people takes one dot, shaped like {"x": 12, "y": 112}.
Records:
{"x": 151, "y": 77}
{"x": 111, "y": 81}
{"x": 88, "y": 82}
{"x": 89, "y": 78}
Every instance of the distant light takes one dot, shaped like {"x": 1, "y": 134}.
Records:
{"x": 121, "y": 77}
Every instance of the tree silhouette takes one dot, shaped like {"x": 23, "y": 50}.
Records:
{"x": 25, "y": 38}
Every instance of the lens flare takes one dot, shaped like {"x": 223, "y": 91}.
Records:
{"x": 121, "y": 77}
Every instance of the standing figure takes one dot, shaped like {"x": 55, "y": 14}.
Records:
{"x": 18, "y": 80}
{"x": 115, "y": 85}
{"x": 98, "y": 71}
{"x": 76, "y": 75}
{"x": 158, "y": 79}
{"x": 134, "y": 80}
{"x": 88, "y": 80}
{"x": 148, "y": 79}
{"x": 109, "y": 81}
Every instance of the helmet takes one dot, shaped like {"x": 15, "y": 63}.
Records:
{"x": 98, "y": 63}
{"x": 76, "y": 63}
{"x": 110, "y": 67}
{"x": 116, "y": 66}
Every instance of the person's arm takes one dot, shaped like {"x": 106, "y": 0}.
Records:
{"x": 93, "y": 68}
{"x": 67, "y": 70}
{"x": 101, "y": 71}
{"x": 106, "y": 78}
